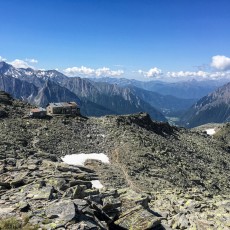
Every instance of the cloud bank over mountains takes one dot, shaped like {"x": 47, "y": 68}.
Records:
{"x": 156, "y": 73}
{"x": 220, "y": 63}
{"x": 198, "y": 75}
{"x": 100, "y": 72}
{"x": 152, "y": 73}
{"x": 27, "y": 63}
{"x": 17, "y": 63}
{"x": 220, "y": 68}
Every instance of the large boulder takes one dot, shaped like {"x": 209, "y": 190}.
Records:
{"x": 61, "y": 212}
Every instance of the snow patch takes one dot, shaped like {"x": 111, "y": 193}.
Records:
{"x": 79, "y": 159}
{"x": 210, "y": 131}
{"x": 97, "y": 184}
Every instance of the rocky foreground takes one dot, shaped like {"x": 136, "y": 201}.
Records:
{"x": 159, "y": 176}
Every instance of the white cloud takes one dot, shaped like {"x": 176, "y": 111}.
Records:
{"x": 219, "y": 75}
{"x": 100, "y": 72}
{"x": 184, "y": 74}
{"x": 221, "y": 62}
{"x": 73, "y": 71}
{"x": 152, "y": 73}
{"x": 107, "y": 72}
{"x": 17, "y": 63}
{"x": 197, "y": 75}
{"x": 31, "y": 60}
{"x": 2, "y": 59}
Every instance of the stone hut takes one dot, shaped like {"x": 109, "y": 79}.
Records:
{"x": 68, "y": 108}
{"x": 38, "y": 113}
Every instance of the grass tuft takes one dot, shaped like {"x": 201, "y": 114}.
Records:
{"x": 15, "y": 224}
{"x": 10, "y": 224}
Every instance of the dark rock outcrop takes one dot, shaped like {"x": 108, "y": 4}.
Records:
{"x": 5, "y": 98}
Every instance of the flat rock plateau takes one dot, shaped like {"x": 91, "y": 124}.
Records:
{"x": 159, "y": 176}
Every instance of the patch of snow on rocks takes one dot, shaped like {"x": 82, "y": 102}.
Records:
{"x": 79, "y": 159}
{"x": 97, "y": 184}
{"x": 210, "y": 131}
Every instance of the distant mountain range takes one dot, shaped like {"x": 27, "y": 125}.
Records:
{"x": 167, "y": 104}
{"x": 215, "y": 107}
{"x": 192, "y": 89}
{"x": 41, "y": 87}
{"x": 104, "y": 96}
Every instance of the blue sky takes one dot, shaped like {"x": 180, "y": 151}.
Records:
{"x": 128, "y": 38}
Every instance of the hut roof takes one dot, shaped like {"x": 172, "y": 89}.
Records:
{"x": 37, "y": 110}
{"x": 63, "y": 104}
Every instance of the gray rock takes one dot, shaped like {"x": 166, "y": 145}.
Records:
{"x": 88, "y": 184}
{"x": 45, "y": 193}
{"x": 110, "y": 203}
{"x": 138, "y": 218}
{"x": 61, "y": 212}
{"x": 80, "y": 204}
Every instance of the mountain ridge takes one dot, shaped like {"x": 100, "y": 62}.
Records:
{"x": 120, "y": 101}
{"x": 97, "y": 97}
{"x": 190, "y": 89}
{"x": 215, "y": 107}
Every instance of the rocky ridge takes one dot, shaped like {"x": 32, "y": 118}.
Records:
{"x": 159, "y": 176}
{"x": 38, "y": 191}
